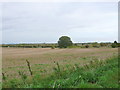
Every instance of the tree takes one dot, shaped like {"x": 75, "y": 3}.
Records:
{"x": 115, "y": 42}
{"x": 64, "y": 42}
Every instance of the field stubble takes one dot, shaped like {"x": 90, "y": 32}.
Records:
{"x": 42, "y": 59}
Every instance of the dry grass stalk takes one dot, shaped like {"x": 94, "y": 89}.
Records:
{"x": 28, "y": 64}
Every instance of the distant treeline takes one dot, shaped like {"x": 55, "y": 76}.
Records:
{"x": 55, "y": 45}
{"x": 30, "y": 45}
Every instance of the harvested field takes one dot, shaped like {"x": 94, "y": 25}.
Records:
{"x": 42, "y": 59}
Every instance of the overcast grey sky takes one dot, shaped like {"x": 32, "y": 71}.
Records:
{"x": 45, "y": 22}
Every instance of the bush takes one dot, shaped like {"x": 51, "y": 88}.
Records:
{"x": 74, "y": 46}
{"x": 103, "y": 44}
{"x": 114, "y": 45}
{"x": 52, "y": 47}
{"x": 87, "y": 46}
{"x": 96, "y": 45}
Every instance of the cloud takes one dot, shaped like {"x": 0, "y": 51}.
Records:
{"x": 59, "y": 1}
{"x": 46, "y": 22}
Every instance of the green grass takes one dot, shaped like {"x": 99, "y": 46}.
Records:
{"x": 96, "y": 74}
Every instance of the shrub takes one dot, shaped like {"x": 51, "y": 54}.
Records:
{"x": 114, "y": 45}
{"x": 87, "y": 46}
{"x": 52, "y": 47}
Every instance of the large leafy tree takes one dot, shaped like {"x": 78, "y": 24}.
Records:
{"x": 64, "y": 42}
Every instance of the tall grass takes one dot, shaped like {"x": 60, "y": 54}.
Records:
{"x": 95, "y": 74}
{"x": 23, "y": 76}
{"x": 3, "y": 76}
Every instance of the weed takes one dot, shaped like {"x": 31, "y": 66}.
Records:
{"x": 3, "y": 76}
{"x": 23, "y": 76}
{"x": 28, "y": 64}
{"x": 57, "y": 70}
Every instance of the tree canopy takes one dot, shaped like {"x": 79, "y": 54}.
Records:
{"x": 64, "y": 42}
{"x": 115, "y": 42}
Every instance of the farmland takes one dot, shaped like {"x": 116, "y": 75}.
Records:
{"x": 44, "y": 60}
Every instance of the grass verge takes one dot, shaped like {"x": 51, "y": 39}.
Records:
{"x": 95, "y": 74}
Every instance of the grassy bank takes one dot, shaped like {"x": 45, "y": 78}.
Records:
{"x": 95, "y": 74}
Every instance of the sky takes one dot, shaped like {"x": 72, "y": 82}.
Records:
{"x": 45, "y": 22}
